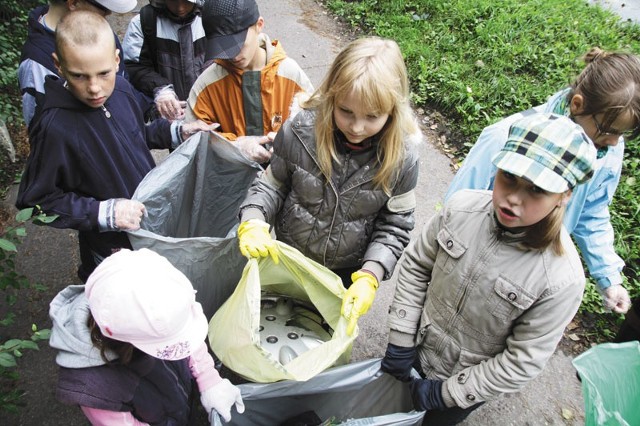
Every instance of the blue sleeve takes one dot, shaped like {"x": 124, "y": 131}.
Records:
{"x": 477, "y": 171}
{"x": 588, "y": 219}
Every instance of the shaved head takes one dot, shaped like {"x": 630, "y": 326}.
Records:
{"x": 82, "y": 28}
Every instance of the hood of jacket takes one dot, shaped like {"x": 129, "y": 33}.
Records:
{"x": 69, "y": 312}
{"x": 40, "y": 40}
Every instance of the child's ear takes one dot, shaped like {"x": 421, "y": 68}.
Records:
{"x": 56, "y": 62}
{"x": 564, "y": 200}
{"x": 576, "y": 106}
{"x": 117, "y": 59}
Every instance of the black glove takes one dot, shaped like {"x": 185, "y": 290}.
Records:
{"x": 427, "y": 394}
{"x": 398, "y": 361}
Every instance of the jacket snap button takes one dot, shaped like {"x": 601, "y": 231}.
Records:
{"x": 402, "y": 313}
{"x": 449, "y": 243}
{"x": 471, "y": 397}
{"x": 461, "y": 378}
{"x": 512, "y": 296}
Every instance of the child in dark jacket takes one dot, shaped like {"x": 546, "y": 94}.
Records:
{"x": 487, "y": 289}
{"x": 90, "y": 145}
{"x": 130, "y": 343}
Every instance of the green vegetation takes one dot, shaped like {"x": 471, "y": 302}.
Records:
{"x": 13, "y": 285}
{"x": 477, "y": 61}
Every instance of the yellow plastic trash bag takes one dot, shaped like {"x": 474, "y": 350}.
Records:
{"x": 610, "y": 375}
{"x": 234, "y": 330}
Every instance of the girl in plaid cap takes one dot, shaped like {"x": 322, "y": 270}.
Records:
{"x": 487, "y": 289}
{"x": 605, "y": 101}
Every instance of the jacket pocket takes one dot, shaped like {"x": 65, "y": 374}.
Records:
{"x": 511, "y": 300}
{"x": 450, "y": 251}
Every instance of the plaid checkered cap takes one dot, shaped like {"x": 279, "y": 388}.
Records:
{"x": 118, "y": 6}
{"x": 225, "y": 24}
{"x": 549, "y": 150}
{"x": 139, "y": 297}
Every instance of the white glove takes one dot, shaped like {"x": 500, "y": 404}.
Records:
{"x": 168, "y": 104}
{"x": 123, "y": 214}
{"x": 616, "y": 298}
{"x": 221, "y": 398}
{"x": 252, "y": 147}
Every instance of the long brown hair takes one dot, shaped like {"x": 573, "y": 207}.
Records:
{"x": 547, "y": 233}
{"x": 373, "y": 70}
{"x": 610, "y": 85}
{"x": 123, "y": 350}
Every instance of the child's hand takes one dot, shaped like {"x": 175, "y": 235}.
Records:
{"x": 127, "y": 214}
{"x": 616, "y": 298}
{"x": 358, "y": 298}
{"x": 255, "y": 240}
{"x": 253, "y": 148}
{"x": 220, "y": 398}
{"x": 194, "y": 127}
{"x": 168, "y": 104}
{"x": 398, "y": 361}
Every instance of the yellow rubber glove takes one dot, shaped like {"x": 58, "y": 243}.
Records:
{"x": 256, "y": 241}
{"x": 358, "y": 298}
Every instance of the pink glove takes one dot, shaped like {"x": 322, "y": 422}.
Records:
{"x": 221, "y": 398}
{"x": 616, "y": 298}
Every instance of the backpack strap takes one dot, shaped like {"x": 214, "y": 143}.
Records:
{"x": 148, "y": 16}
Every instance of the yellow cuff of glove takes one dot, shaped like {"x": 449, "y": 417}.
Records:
{"x": 255, "y": 240}
{"x": 358, "y": 298}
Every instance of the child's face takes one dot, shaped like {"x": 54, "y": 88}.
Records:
{"x": 250, "y": 57}
{"x": 356, "y": 123}
{"x": 90, "y": 71}
{"x": 519, "y": 203}
{"x": 180, "y": 8}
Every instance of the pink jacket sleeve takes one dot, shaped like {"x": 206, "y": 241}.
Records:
{"x": 99, "y": 417}
{"x": 203, "y": 368}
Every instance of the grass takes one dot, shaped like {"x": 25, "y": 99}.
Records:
{"x": 477, "y": 61}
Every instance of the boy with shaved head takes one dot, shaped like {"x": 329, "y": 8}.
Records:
{"x": 90, "y": 145}
{"x": 36, "y": 61}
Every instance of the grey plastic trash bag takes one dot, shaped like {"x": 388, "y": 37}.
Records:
{"x": 349, "y": 395}
{"x": 610, "y": 375}
{"x": 192, "y": 200}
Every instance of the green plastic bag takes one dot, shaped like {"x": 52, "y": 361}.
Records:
{"x": 610, "y": 375}
{"x": 234, "y": 330}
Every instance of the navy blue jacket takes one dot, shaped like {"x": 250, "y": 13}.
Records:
{"x": 80, "y": 157}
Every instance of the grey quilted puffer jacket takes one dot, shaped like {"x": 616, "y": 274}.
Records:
{"x": 342, "y": 223}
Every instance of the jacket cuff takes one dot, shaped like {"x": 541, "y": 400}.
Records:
{"x": 404, "y": 318}
{"x": 375, "y": 268}
{"x": 462, "y": 396}
{"x": 252, "y": 212}
{"x": 401, "y": 339}
{"x": 607, "y": 282}
{"x": 446, "y": 396}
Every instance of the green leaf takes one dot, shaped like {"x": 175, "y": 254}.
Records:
{"x": 42, "y": 219}
{"x": 24, "y": 214}
{"x": 7, "y": 360}
{"x": 21, "y": 232}
{"x": 7, "y": 245}
{"x": 29, "y": 344}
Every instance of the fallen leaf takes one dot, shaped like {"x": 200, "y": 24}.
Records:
{"x": 567, "y": 414}
{"x": 574, "y": 337}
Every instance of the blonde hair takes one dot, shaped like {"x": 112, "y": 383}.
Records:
{"x": 547, "y": 233}
{"x": 373, "y": 70}
{"x": 610, "y": 85}
{"x": 82, "y": 28}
